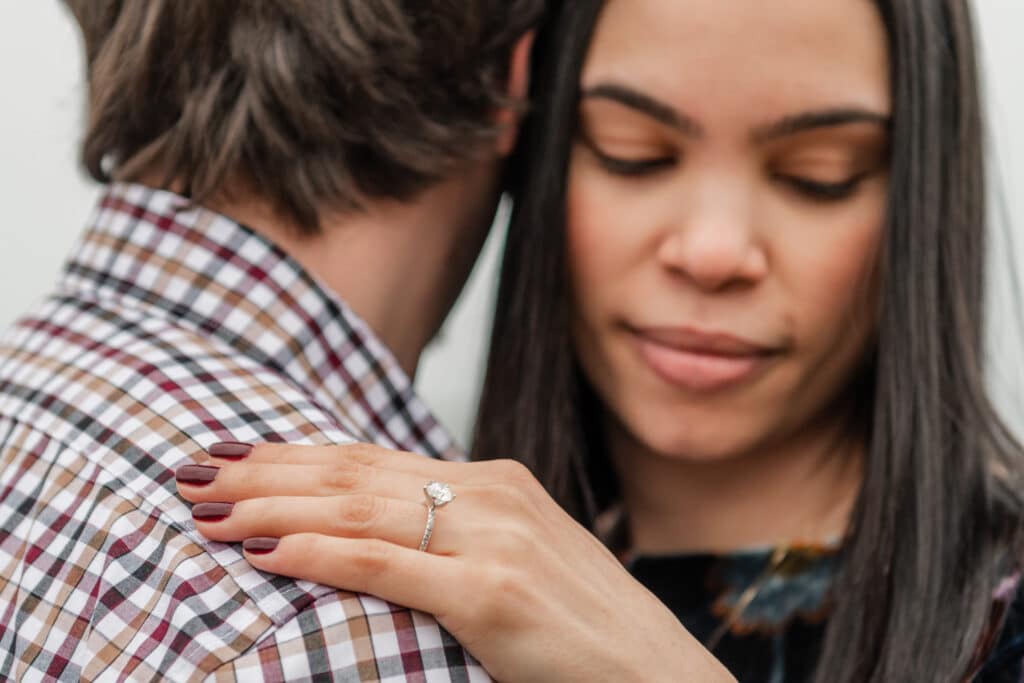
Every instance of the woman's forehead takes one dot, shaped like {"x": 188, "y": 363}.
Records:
{"x": 709, "y": 56}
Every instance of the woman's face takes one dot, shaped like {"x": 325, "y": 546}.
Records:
{"x": 726, "y": 199}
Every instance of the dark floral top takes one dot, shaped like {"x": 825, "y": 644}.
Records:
{"x": 763, "y": 612}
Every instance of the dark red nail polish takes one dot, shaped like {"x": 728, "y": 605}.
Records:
{"x": 231, "y": 450}
{"x": 212, "y": 512}
{"x": 196, "y": 475}
{"x": 260, "y": 545}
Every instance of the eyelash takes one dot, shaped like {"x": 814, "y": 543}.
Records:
{"x": 632, "y": 167}
{"x": 823, "y": 192}
{"x": 817, "y": 191}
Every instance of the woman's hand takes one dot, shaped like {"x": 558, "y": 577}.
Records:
{"x": 528, "y": 591}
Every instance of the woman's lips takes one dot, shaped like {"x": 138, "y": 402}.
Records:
{"x": 697, "y": 361}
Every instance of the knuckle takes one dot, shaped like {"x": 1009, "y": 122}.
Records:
{"x": 361, "y": 453}
{"x": 509, "y": 497}
{"x": 517, "y": 543}
{"x": 506, "y": 581}
{"x": 514, "y": 471}
{"x": 344, "y": 476}
{"x": 502, "y": 587}
{"x": 371, "y": 559}
{"x": 357, "y": 514}
{"x": 314, "y": 548}
{"x": 530, "y": 493}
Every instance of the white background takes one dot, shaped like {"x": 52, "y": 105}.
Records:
{"x": 45, "y": 199}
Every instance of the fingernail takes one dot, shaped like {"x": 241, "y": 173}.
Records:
{"x": 197, "y": 475}
{"x": 212, "y": 512}
{"x": 260, "y": 545}
{"x": 231, "y": 450}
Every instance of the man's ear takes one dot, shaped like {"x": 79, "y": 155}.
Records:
{"x": 507, "y": 118}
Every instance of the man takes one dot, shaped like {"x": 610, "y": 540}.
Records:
{"x": 297, "y": 193}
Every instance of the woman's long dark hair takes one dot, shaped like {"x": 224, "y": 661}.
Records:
{"x": 939, "y": 512}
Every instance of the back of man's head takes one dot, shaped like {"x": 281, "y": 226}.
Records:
{"x": 309, "y": 105}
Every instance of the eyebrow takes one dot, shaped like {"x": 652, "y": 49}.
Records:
{"x": 644, "y": 104}
{"x": 826, "y": 118}
{"x": 790, "y": 125}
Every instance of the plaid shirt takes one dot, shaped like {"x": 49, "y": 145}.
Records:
{"x": 173, "y": 328}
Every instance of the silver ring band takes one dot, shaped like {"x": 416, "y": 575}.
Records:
{"x": 429, "y": 531}
{"x": 438, "y": 494}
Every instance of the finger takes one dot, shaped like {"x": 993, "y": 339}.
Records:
{"x": 423, "y": 581}
{"x": 370, "y": 455}
{"x": 360, "y": 453}
{"x": 359, "y": 516}
{"x": 233, "y": 482}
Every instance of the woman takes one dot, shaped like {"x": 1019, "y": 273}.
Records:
{"x": 738, "y": 337}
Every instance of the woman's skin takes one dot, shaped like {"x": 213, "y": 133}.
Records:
{"x": 529, "y": 592}
{"x": 730, "y": 180}
{"x": 726, "y": 200}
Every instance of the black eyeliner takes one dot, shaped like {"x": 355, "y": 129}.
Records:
{"x": 825, "y": 191}
{"x": 625, "y": 167}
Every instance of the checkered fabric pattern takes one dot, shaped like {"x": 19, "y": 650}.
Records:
{"x": 173, "y": 328}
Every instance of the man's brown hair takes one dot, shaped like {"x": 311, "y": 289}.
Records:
{"x": 308, "y": 104}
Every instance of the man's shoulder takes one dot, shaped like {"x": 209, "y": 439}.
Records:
{"x": 98, "y": 404}
{"x": 79, "y": 360}
{"x": 356, "y": 638}
{"x": 98, "y": 586}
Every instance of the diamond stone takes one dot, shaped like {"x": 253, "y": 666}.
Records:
{"x": 439, "y": 492}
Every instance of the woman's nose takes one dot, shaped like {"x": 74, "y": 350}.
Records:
{"x": 715, "y": 248}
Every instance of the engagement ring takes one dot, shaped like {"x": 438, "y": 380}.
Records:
{"x": 438, "y": 494}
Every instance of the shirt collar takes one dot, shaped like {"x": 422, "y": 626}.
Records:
{"x": 202, "y": 269}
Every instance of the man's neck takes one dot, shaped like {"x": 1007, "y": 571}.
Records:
{"x": 398, "y": 265}
{"x": 801, "y": 491}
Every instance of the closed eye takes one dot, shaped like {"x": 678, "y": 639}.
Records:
{"x": 633, "y": 166}
{"x": 823, "y": 191}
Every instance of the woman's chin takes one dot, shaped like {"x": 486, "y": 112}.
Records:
{"x": 696, "y": 443}
{"x": 686, "y": 451}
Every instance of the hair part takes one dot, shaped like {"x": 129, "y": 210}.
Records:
{"x": 938, "y": 517}
{"x": 312, "y": 106}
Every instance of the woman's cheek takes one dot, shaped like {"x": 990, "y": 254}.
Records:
{"x": 834, "y": 280}
{"x": 609, "y": 223}
{"x": 589, "y": 220}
